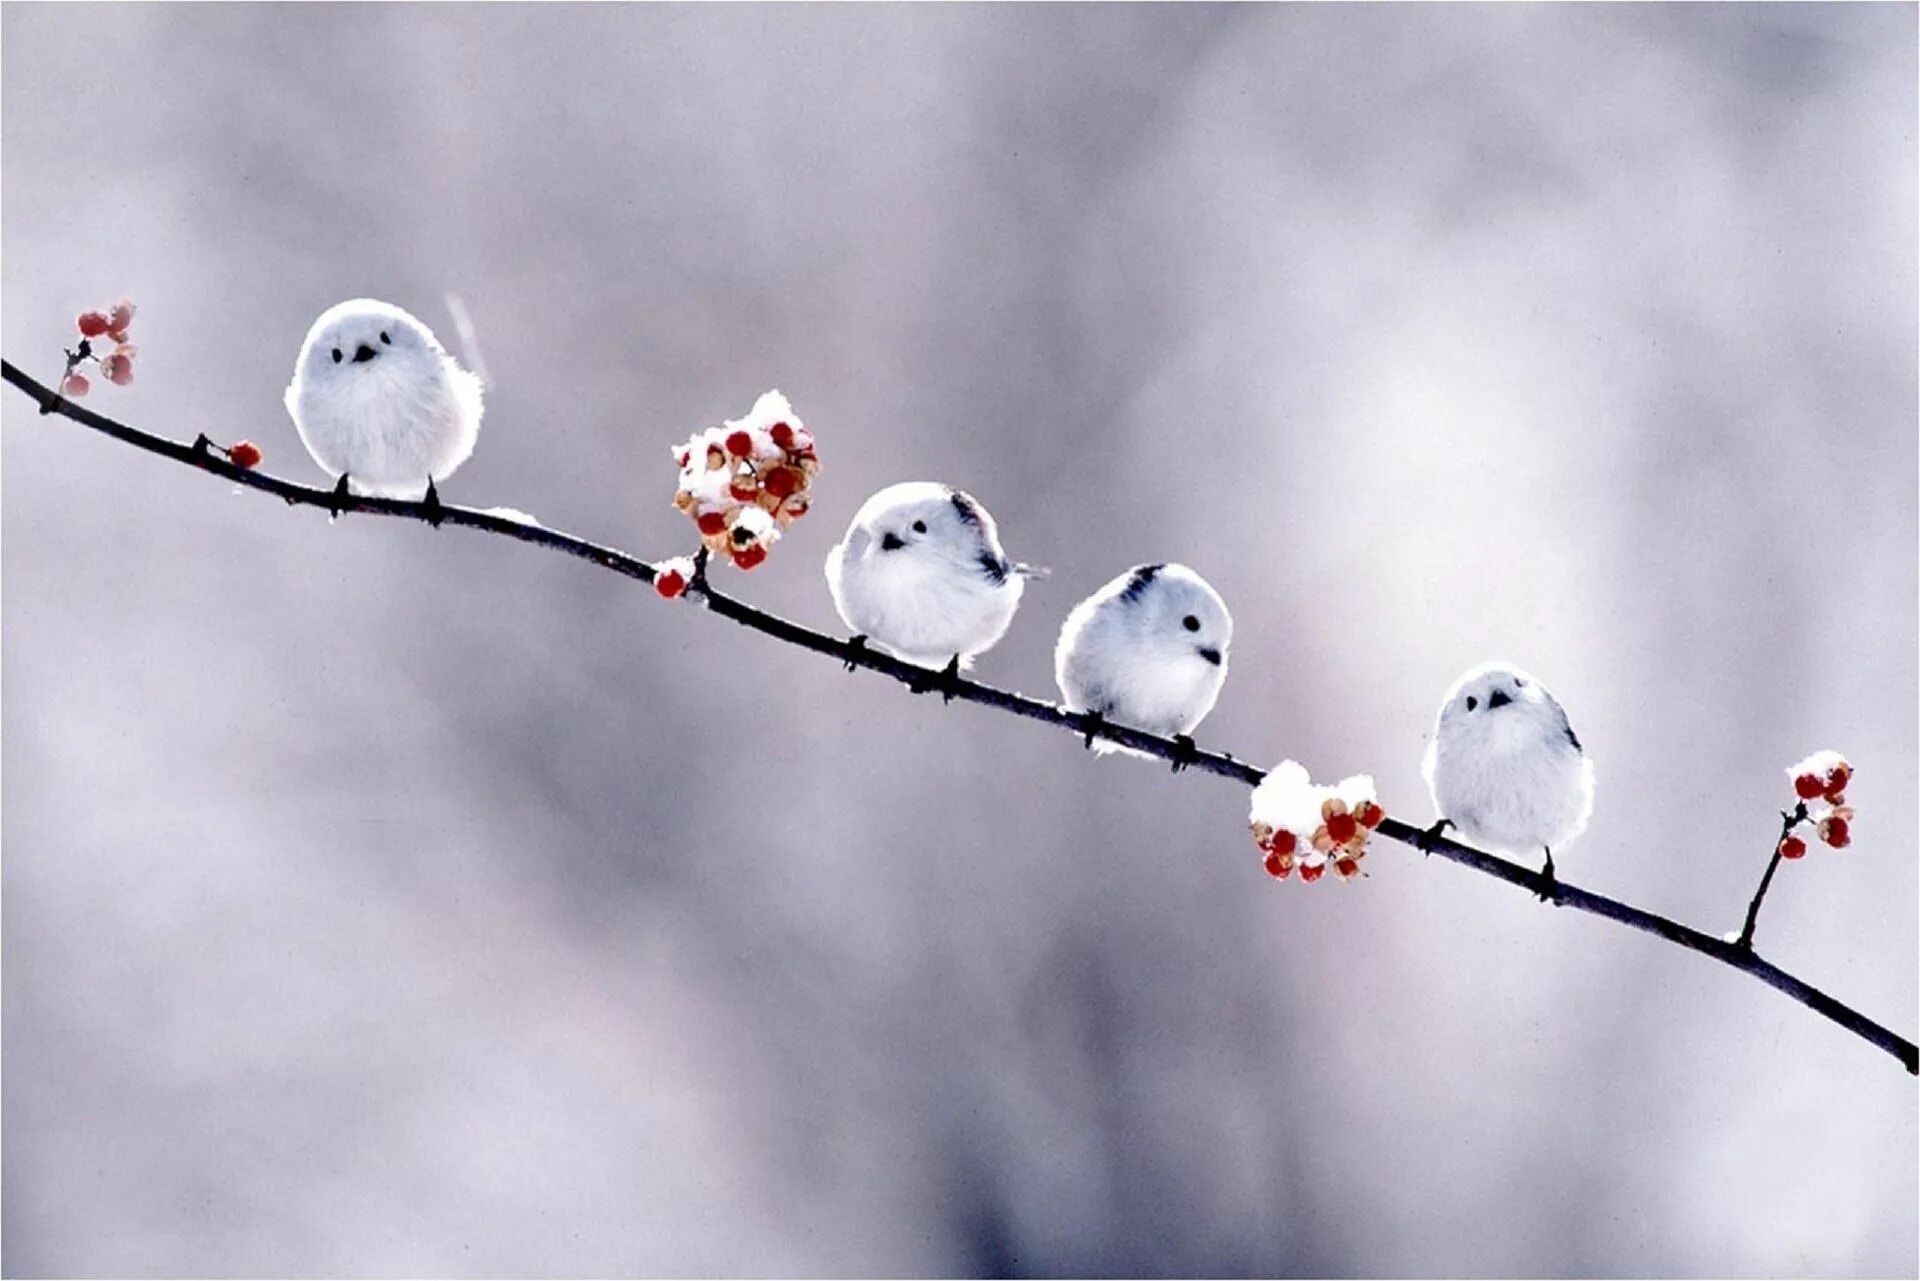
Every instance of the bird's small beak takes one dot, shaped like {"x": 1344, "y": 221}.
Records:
{"x": 1497, "y": 699}
{"x": 1211, "y": 654}
{"x": 363, "y": 353}
{"x": 890, "y": 542}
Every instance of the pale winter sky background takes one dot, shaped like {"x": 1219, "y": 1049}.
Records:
{"x": 384, "y": 901}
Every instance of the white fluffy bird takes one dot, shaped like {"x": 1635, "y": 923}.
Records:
{"x": 1148, "y": 650}
{"x": 921, "y": 573}
{"x": 1505, "y": 767}
{"x": 379, "y": 403}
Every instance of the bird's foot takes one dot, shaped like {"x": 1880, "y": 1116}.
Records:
{"x": 948, "y": 681}
{"x": 1091, "y": 724}
{"x": 1432, "y": 834}
{"x": 856, "y": 646}
{"x": 341, "y": 501}
{"x": 1185, "y": 751}
{"x": 1549, "y": 891}
{"x": 925, "y": 682}
{"x": 435, "y": 513}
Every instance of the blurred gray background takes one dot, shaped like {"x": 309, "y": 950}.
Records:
{"x": 387, "y": 901}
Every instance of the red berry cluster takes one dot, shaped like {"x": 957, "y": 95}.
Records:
{"x": 745, "y": 481}
{"x": 1298, "y": 825}
{"x": 111, "y": 324}
{"x": 1820, "y": 781}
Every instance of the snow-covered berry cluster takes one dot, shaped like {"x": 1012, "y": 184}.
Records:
{"x": 747, "y": 479}
{"x": 1299, "y": 824}
{"x": 1820, "y": 782}
{"x": 108, "y": 324}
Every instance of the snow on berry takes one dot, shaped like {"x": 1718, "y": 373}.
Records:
{"x": 670, "y": 577}
{"x": 1823, "y": 774}
{"x": 746, "y": 480}
{"x": 1326, "y": 826}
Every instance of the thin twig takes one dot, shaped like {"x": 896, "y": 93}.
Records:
{"x": 1789, "y": 819}
{"x": 1740, "y": 956}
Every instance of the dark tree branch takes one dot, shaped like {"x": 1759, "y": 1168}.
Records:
{"x": 1738, "y": 955}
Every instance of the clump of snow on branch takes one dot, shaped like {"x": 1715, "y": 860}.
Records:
{"x": 1298, "y": 823}
{"x": 1820, "y": 781}
{"x": 747, "y": 479}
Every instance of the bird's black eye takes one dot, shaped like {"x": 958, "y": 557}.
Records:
{"x": 383, "y": 338}
{"x": 919, "y": 526}
{"x": 1191, "y": 623}
{"x": 1518, "y": 683}
{"x": 336, "y": 355}
{"x": 1472, "y": 702}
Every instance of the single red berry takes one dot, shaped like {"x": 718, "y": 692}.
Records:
{"x": 1808, "y": 786}
{"x": 1278, "y": 868}
{"x": 1793, "y": 847}
{"x": 748, "y": 557}
{"x": 1312, "y": 871}
{"x": 245, "y": 454}
{"x": 1838, "y": 776}
{"x": 1369, "y": 814}
{"x": 75, "y": 385}
{"x": 121, "y": 316}
{"x": 117, "y": 369}
{"x": 1285, "y": 842}
{"x": 1836, "y": 832}
{"x": 1347, "y": 867}
{"x": 782, "y": 433}
{"x": 1341, "y": 827}
{"x": 781, "y": 481}
{"x": 739, "y": 444}
{"x": 670, "y": 584}
{"x": 1836, "y": 794}
{"x": 712, "y": 522}
{"x": 93, "y": 324}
